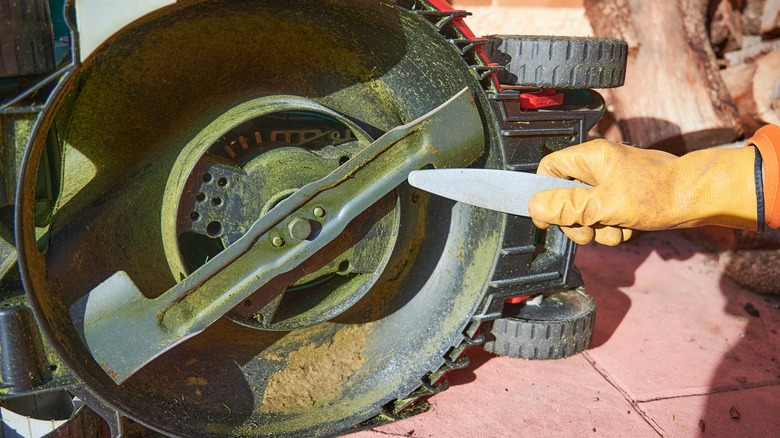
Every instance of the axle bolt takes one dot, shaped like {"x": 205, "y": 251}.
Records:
{"x": 319, "y": 212}
{"x": 277, "y": 241}
{"x": 300, "y": 228}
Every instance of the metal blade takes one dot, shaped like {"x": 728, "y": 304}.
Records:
{"x": 124, "y": 330}
{"x": 499, "y": 190}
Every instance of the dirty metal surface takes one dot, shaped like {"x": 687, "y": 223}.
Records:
{"x": 124, "y": 330}
{"x": 122, "y": 118}
{"x": 189, "y": 64}
{"x": 250, "y": 163}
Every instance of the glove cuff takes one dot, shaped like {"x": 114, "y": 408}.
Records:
{"x": 767, "y": 140}
{"x": 758, "y": 172}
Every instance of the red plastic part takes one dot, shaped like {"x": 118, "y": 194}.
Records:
{"x": 544, "y": 98}
{"x": 517, "y": 300}
{"x": 441, "y": 5}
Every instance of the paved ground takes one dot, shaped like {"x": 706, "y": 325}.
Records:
{"x": 676, "y": 353}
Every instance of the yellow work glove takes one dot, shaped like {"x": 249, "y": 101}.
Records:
{"x": 639, "y": 189}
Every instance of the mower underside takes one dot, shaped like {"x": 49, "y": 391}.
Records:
{"x": 215, "y": 234}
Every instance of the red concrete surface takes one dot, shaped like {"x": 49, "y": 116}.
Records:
{"x": 675, "y": 354}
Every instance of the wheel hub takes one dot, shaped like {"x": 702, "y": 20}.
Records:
{"x": 258, "y": 164}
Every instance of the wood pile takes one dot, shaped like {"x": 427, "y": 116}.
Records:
{"x": 701, "y": 73}
{"x": 746, "y": 35}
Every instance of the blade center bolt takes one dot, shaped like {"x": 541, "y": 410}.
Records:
{"x": 300, "y": 228}
{"x": 277, "y": 241}
{"x": 319, "y": 212}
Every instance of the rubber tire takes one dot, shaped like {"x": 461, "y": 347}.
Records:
{"x": 559, "y": 62}
{"x": 561, "y": 326}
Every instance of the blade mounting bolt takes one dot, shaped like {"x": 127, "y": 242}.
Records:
{"x": 299, "y": 228}
{"x": 277, "y": 241}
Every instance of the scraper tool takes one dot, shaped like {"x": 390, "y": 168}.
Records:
{"x": 501, "y": 190}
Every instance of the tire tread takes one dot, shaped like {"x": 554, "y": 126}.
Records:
{"x": 559, "y": 62}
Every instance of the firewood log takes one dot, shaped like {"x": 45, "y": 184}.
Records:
{"x": 766, "y": 88}
{"x": 725, "y": 25}
{"x": 674, "y": 97}
{"x": 770, "y": 20}
{"x": 739, "y": 82}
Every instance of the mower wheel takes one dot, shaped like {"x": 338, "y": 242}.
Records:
{"x": 559, "y": 62}
{"x": 549, "y": 327}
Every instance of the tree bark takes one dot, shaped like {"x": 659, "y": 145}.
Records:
{"x": 752, "y": 10}
{"x": 674, "y": 97}
{"x": 612, "y": 17}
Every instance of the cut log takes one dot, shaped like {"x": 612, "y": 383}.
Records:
{"x": 613, "y": 15}
{"x": 752, "y": 11}
{"x": 757, "y": 270}
{"x": 739, "y": 82}
{"x": 766, "y": 88}
{"x": 770, "y": 20}
{"x": 674, "y": 97}
{"x": 725, "y": 24}
{"x": 753, "y": 48}
{"x": 755, "y": 87}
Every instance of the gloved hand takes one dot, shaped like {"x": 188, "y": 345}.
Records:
{"x": 639, "y": 189}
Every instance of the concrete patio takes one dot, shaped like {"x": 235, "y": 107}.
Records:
{"x": 678, "y": 351}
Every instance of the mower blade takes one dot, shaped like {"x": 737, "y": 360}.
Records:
{"x": 101, "y": 304}
{"x": 124, "y": 331}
